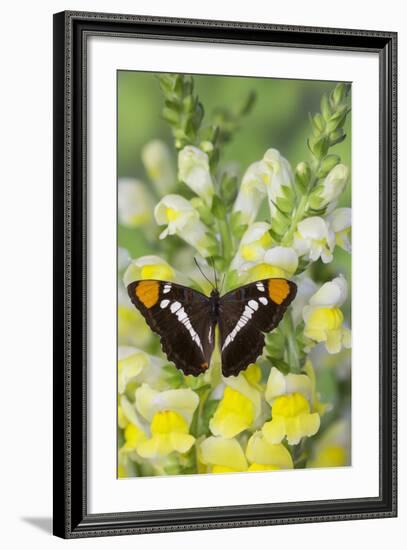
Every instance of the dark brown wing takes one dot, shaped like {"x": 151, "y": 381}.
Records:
{"x": 245, "y": 314}
{"x": 181, "y": 317}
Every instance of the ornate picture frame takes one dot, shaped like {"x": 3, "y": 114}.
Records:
{"x": 72, "y": 30}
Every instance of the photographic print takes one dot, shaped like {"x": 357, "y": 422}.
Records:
{"x": 234, "y": 274}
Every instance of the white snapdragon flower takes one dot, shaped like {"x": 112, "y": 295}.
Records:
{"x": 135, "y": 204}
{"x": 323, "y": 317}
{"x": 193, "y": 170}
{"x": 340, "y": 221}
{"x": 253, "y": 245}
{"x": 159, "y": 165}
{"x": 183, "y": 220}
{"x": 175, "y": 212}
{"x": 315, "y": 239}
{"x": 280, "y": 176}
{"x": 150, "y": 401}
{"x": 278, "y": 261}
{"x": 252, "y": 192}
{"x": 334, "y": 184}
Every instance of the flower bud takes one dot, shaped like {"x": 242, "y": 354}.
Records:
{"x": 193, "y": 170}
{"x": 159, "y": 165}
{"x": 327, "y": 165}
{"x": 334, "y": 183}
{"x": 303, "y": 174}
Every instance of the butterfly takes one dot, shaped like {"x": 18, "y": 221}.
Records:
{"x": 186, "y": 319}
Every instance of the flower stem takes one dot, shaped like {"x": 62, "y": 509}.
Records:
{"x": 297, "y": 217}
{"x": 292, "y": 346}
{"x": 226, "y": 240}
{"x": 301, "y": 209}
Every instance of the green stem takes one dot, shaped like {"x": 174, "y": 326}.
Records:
{"x": 297, "y": 217}
{"x": 292, "y": 346}
{"x": 226, "y": 239}
{"x": 300, "y": 210}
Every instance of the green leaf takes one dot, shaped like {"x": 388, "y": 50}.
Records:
{"x": 281, "y": 365}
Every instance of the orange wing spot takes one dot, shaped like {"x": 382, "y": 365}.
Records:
{"x": 204, "y": 366}
{"x": 147, "y": 292}
{"x": 279, "y": 289}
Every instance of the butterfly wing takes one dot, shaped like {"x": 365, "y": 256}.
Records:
{"x": 181, "y": 317}
{"x": 245, "y": 315}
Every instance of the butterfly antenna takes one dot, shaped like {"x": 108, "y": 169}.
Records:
{"x": 221, "y": 284}
{"x": 199, "y": 267}
{"x": 214, "y": 273}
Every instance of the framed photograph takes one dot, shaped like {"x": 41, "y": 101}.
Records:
{"x": 225, "y": 274}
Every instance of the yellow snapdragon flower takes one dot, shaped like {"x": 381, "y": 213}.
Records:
{"x": 222, "y": 455}
{"x": 150, "y": 401}
{"x": 234, "y": 414}
{"x": 278, "y": 261}
{"x": 148, "y": 267}
{"x": 169, "y": 432}
{"x": 131, "y": 361}
{"x": 333, "y": 448}
{"x": 324, "y": 318}
{"x": 263, "y": 455}
{"x": 291, "y": 416}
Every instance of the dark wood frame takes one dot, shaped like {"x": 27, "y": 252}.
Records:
{"x": 71, "y": 518}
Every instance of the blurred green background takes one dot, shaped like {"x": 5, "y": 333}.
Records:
{"x": 279, "y": 118}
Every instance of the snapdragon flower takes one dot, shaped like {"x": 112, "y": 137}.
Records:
{"x": 148, "y": 267}
{"x": 193, "y": 170}
{"x": 333, "y": 448}
{"x": 183, "y": 220}
{"x": 331, "y": 188}
{"x": 315, "y": 239}
{"x": 134, "y": 203}
{"x": 253, "y": 245}
{"x": 240, "y": 406}
{"x": 159, "y": 165}
{"x": 252, "y": 192}
{"x": 170, "y": 414}
{"x": 324, "y": 318}
{"x": 340, "y": 221}
{"x": 290, "y": 397}
{"x": 222, "y": 455}
{"x": 264, "y": 456}
{"x": 280, "y": 179}
{"x": 138, "y": 367}
{"x": 278, "y": 261}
